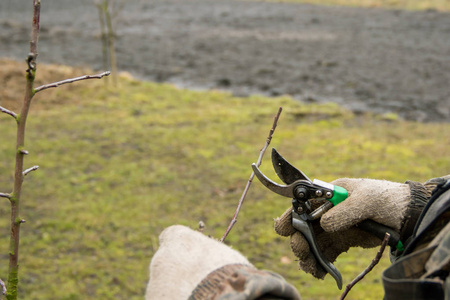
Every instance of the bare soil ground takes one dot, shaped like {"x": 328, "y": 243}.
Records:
{"x": 365, "y": 59}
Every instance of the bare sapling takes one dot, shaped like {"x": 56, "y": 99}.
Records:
{"x": 11, "y": 287}
{"x": 107, "y": 13}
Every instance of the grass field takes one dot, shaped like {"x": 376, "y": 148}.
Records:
{"x": 119, "y": 165}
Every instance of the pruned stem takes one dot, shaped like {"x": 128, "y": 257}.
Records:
{"x": 8, "y": 112}
{"x": 35, "y": 27}
{"x": 374, "y": 262}
{"x": 250, "y": 180}
{"x": 56, "y": 84}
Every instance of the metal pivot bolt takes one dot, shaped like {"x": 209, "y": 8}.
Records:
{"x": 301, "y": 193}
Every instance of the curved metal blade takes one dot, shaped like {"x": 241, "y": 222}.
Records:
{"x": 287, "y": 172}
{"x": 283, "y": 190}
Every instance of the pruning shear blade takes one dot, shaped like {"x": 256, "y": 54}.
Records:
{"x": 301, "y": 189}
{"x": 285, "y": 171}
{"x": 283, "y": 190}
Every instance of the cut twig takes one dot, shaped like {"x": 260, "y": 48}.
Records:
{"x": 8, "y": 112}
{"x": 34, "y": 168}
{"x": 249, "y": 182}
{"x": 56, "y": 84}
{"x": 374, "y": 262}
{"x": 201, "y": 226}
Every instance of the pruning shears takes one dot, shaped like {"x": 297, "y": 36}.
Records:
{"x": 302, "y": 190}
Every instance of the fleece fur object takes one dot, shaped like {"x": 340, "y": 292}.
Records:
{"x": 183, "y": 259}
{"x": 382, "y": 201}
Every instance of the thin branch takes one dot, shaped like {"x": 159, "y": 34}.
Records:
{"x": 8, "y": 112}
{"x": 56, "y": 84}
{"x": 249, "y": 182}
{"x": 33, "y": 168}
{"x": 5, "y": 195}
{"x": 374, "y": 262}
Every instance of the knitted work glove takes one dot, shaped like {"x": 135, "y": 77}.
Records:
{"x": 189, "y": 264}
{"x": 382, "y": 201}
{"x": 183, "y": 259}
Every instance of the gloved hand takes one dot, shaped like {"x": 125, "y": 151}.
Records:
{"x": 183, "y": 259}
{"x": 190, "y": 265}
{"x": 382, "y": 201}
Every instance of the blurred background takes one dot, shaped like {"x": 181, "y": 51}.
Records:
{"x": 363, "y": 86}
{"x": 379, "y": 58}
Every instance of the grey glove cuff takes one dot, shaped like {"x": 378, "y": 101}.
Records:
{"x": 419, "y": 198}
{"x": 243, "y": 282}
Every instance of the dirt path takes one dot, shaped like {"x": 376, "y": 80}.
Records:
{"x": 365, "y": 59}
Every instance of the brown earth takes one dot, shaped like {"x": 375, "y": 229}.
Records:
{"x": 366, "y": 59}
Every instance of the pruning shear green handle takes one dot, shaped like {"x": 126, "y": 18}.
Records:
{"x": 301, "y": 189}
